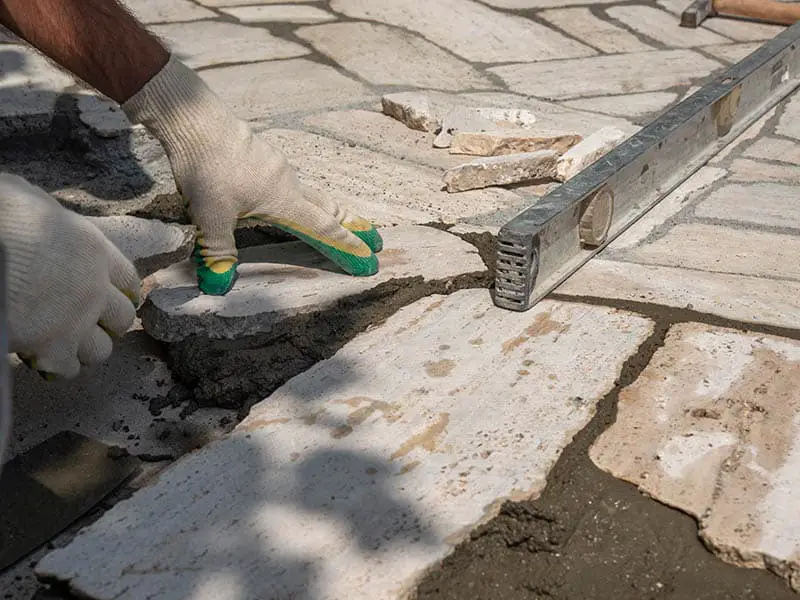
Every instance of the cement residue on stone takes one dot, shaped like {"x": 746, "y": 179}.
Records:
{"x": 358, "y": 475}
{"x": 278, "y": 281}
{"x": 711, "y": 427}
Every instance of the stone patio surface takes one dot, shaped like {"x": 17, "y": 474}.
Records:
{"x": 399, "y": 412}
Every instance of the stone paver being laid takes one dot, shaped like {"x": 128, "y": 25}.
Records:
{"x": 162, "y": 11}
{"x": 355, "y": 477}
{"x": 711, "y": 427}
{"x": 282, "y": 13}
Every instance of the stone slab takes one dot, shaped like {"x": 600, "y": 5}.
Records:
{"x": 522, "y": 4}
{"x": 587, "y": 152}
{"x": 774, "y": 149}
{"x": 743, "y": 169}
{"x": 498, "y": 143}
{"x": 711, "y": 427}
{"x": 662, "y": 27}
{"x": 719, "y": 249}
{"x": 282, "y": 13}
{"x": 594, "y": 31}
{"x": 501, "y": 170}
{"x": 219, "y": 3}
{"x": 102, "y": 115}
{"x": 386, "y": 55}
{"x": 357, "y": 476}
{"x": 151, "y": 245}
{"x": 383, "y": 189}
{"x": 164, "y": 11}
{"x": 259, "y": 90}
{"x": 278, "y": 281}
{"x": 192, "y": 42}
{"x": 629, "y": 105}
{"x": 760, "y": 204}
{"x": 615, "y": 74}
{"x": 732, "y": 53}
{"x": 451, "y": 24}
{"x": 480, "y": 119}
{"x": 736, "y": 297}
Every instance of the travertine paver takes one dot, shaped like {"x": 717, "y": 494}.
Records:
{"x": 242, "y": 44}
{"x": 501, "y": 170}
{"x": 732, "y": 52}
{"x": 256, "y": 91}
{"x": 662, "y": 26}
{"x": 278, "y": 281}
{"x": 163, "y": 11}
{"x": 497, "y": 143}
{"x": 216, "y": 3}
{"x": 501, "y": 38}
{"x": 516, "y": 4}
{"x": 588, "y": 151}
{"x": 386, "y": 55}
{"x": 630, "y": 105}
{"x": 615, "y": 74}
{"x": 383, "y": 189}
{"x": 593, "y": 30}
{"x": 711, "y": 427}
{"x": 774, "y": 149}
{"x": 358, "y": 475}
{"x": 285, "y": 13}
{"x": 766, "y": 204}
{"x": 743, "y": 169}
{"x": 29, "y": 88}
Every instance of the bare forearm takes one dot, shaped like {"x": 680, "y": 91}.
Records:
{"x": 98, "y": 41}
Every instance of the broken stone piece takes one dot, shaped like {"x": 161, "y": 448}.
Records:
{"x": 501, "y": 170}
{"x": 416, "y": 110}
{"x": 480, "y": 119}
{"x": 149, "y": 244}
{"x": 278, "y": 281}
{"x": 499, "y": 143}
{"x": 583, "y": 154}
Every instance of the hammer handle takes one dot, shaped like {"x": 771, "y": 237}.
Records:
{"x": 780, "y": 13}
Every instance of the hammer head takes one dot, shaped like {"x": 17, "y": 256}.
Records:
{"x": 697, "y": 13}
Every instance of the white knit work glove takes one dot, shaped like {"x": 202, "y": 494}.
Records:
{"x": 68, "y": 286}
{"x": 225, "y": 173}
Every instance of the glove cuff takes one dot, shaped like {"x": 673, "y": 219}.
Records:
{"x": 183, "y": 113}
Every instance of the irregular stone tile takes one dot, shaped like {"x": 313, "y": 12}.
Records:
{"x": 283, "y": 13}
{"x": 29, "y": 88}
{"x": 452, "y": 23}
{"x": 415, "y": 109}
{"x": 732, "y": 53}
{"x": 163, "y": 11}
{"x": 588, "y": 151}
{"x": 654, "y": 23}
{"x": 744, "y": 31}
{"x": 218, "y": 3}
{"x": 711, "y": 427}
{"x": 769, "y": 204}
{"x": 736, "y": 297}
{"x": 190, "y": 41}
{"x": 655, "y": 219}
{"x": 493, "y": 143}
{"x": 357, "y": 476}
{"x": 599, "y": 75}
{"x": 102, "y": 115}
{"x": 501, "y": 170}
{"x": 789, "y": 124}
{"x": 743, "y": 169}
{"x": 465, "y": 118}
{"x": 631, "y": 105}
{"x": 380, "y": 188}
{"x": 723, "y": 250}
{"x": 518, "y": 4}
{"x": 594, "y": 31}
{"x": 389, "y": 56}
{"x": 775, "y": 149}
{"x": 278, "y": 281}
{"x": 149, "y": 244}
{"x": 263, "y": 89}
{"x": 381, "y": 133}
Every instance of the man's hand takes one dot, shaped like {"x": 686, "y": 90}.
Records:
{"x": 225, "y": 173}
{"x": 69, "y": 287}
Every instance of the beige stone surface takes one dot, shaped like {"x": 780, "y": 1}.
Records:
{"x": 765, "y": 204}
{"x": 766, "y": 148}
{"x": 278, "y": 281}
{"x": 163, "y": 11}
{"x": 283, "y": 13}
{"x": 588, "y": 151}
{"x": 360, "y": 474}
{"x": 746, "y": 170}
{"x": 259, "y": 90}
{"x": 662, "y": 26}
{"x": 480, "y": 119}
{"x": 390, "y": 56}
{"x": 501, "y": 170}
{"x": 192, "y": 43}
{"x": 217, "y": 3}
{"x": 732, "y": 53}
{"x": 518, "y": 4}
{"x": 599, "y": 75}
{"x": 711, "y": 427}
{"x": 629, "y": 105}
{"x": 417, "y": 110}
{"x": 496, "y": 143}
{"x": 594, "y": 31}
{"x": 503, "y": 37}
{"x": 744, "y": 31}
{"x": 789, "y": 124}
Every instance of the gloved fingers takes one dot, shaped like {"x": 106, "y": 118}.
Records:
{"x": 123, "y": 275}
{"x": 359, "y": 226}
{"x": 118, "y": 314}
{"x": 95, "y": 348}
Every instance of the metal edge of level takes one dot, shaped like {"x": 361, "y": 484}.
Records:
{"x": 541, "y": 247}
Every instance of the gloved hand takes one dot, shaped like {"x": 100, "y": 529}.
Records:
{"x": 68, "y": 286}
{"x": 225, "y": 173}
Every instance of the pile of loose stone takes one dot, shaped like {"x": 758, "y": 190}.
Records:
{"x": 510, "y": 145}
